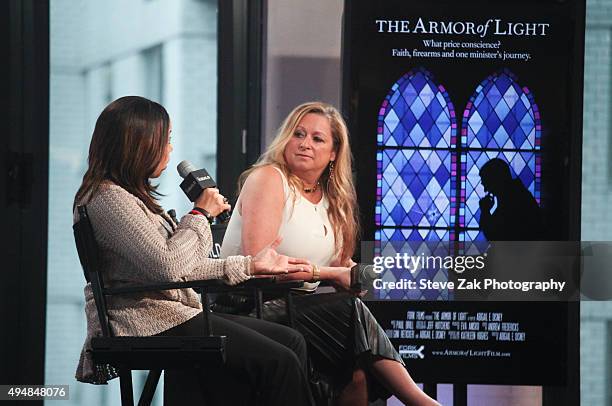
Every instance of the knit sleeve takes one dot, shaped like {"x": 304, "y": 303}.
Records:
{"x": 121, "y": 224}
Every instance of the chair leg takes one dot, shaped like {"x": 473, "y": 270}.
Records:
{"x": 149, "y": 388}
{"x": 125, "y": 381}
{"x": 289, "y": 304}
{"x": 258, "y": 302}
{"x": 206, "y": 310}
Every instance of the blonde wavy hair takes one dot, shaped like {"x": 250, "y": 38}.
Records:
{"x": 339, "y": 189}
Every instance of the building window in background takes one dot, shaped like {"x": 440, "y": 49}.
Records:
{"x": 162, "y": 50}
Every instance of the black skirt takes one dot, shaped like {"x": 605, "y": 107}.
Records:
{"x": 342, "y": 334}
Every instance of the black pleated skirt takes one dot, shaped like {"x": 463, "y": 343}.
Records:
{"x": 342, "y": 334}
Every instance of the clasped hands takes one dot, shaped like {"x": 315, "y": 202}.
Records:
{"x": 268, "y": 262}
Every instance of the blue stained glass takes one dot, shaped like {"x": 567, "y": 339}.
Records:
{"x": 426, "y": 122}
{"x": 416, "y": 164}
{"x": 501, "y": 137}
{"x": 409, "y": 94}
{"x": 519, "y": 110}
{"x": 511, "y": 97}
{"x": 527, "y": 123}
{"x": 501, "y": 109}
{"x": 419, "y": 81}
{"x": 416, "y": 184}
{"x": 435, "y": 135}
{"x": 386, "y": 135}
{"x": 427, "y": 94}
{"x": 503, "y": 82}
{"x": 510, "y": 124}
{"x": 475, "y": 122}
{"x": 416, "y": 188}
{"x": 492, "y": 123}
{"x": 499, "y": 102}
{"x": 500, "y": 117}
{"x": 427, "y": 190}
{"x": 424, "y": 109}
{"x": 392, "y": 121}
{"x": 493, "y": 95}
{"x": 435, "y": 108}
{"x": 418, "y": 107}
{"x": 473, "y": 235}
{"x": 416, "y": 136}
{"x": 394, "y": 98}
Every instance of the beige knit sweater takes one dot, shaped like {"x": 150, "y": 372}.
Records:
{"x": 139, "y": 247}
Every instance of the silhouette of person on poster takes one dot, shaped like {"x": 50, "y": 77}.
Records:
{"x": 517, "y": 216}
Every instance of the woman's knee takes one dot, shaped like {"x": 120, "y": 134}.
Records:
{"x": 299, "y": 347}
{"x": 282, "y": 364}
{"x": 294, "y": 340}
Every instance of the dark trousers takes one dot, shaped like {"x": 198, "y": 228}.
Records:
{"x": 266, "y": 364}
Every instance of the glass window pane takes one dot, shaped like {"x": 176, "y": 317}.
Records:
{"x": 160, "y": 49}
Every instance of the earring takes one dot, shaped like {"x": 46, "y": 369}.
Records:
{"x": 331, "y": 170}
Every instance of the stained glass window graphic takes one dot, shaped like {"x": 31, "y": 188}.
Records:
{"x": 501, "y": 115}
{"x": 417, "y": 113}
{"x": 501, "y": 120}
{"x": 417, "y": 171}
{"x": 415, "y": 188}
{"x": 428, "y": 183}
{"x": 416, "y": 129}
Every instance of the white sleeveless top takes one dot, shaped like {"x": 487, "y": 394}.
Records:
{"x": 305, "y": 229}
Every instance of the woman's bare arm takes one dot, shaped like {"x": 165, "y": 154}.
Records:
{"x": 262, "y": 202}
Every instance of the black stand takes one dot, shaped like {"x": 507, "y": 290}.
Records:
{"x": 431, "y": 389}
{"x": 460, "y": 394}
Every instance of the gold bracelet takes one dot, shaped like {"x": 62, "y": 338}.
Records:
{"x": 316, "y": 273}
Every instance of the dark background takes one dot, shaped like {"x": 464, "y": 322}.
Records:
{"x": 548, "y": 75}
{"x": 540, "y": 360}
{"x": 554, "y": 76}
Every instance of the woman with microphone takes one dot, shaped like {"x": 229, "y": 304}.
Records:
{"x": 139, "y": 243}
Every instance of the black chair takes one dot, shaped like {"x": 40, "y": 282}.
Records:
{"x": 242, "y": 302}
{"x": 154, "y": 353}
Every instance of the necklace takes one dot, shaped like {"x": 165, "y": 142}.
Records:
{"x": 311, "y": 189}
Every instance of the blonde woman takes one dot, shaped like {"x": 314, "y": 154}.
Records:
{"x": 301, "y": 190}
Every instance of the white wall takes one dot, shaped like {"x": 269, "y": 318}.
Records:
{"x": 302, "y": 57}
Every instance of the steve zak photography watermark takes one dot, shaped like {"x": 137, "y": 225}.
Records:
{"x": 542, "y": 270}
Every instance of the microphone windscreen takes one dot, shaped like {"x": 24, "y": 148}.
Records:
{"x": 185, "y": 168}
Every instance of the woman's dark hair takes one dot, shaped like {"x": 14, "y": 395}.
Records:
{"x": 126, "y": 147}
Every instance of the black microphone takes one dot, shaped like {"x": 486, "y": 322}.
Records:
{"x": 195, "y": 181}
{"x": 172, "y": 214}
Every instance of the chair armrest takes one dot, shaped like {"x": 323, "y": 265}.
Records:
{"x": 270, "y": 283}
{"x": 210, "y": 286}
{"x": 326, "y": 282}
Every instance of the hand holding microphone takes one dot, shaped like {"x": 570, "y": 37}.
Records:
{"x": 213, "y": 202}
{"x": 201, "y": 189}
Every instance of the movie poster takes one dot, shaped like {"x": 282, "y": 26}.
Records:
{"x": 464, "y": 120}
